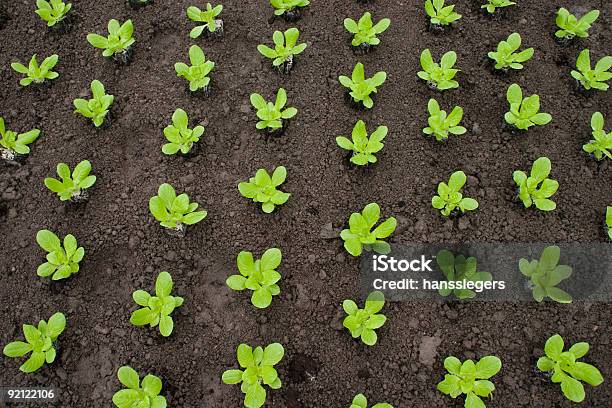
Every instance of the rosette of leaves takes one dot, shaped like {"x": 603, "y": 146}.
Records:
{"x": 52, "y": 12}
{"x": 363, "y": 146}
{"x": 37, "y": 73}
{"x": 459, "y": 268}
{"x": 271, "y": 115}
{"x": 442, "y": 125}
{"x": 570, "y": 26}
{"x": 212, "y": 24}
{"x": 73, "y": 185}
{"x": 469, "y": 378}
{"x": 364, "y": 30}
{"x": 362, "y": 323}
{"x": 197, "y": 73}
{"x": 360, "y": 401}
{"x": 536, "y": 189}
{"x": 285, "y": 48}
{"x": 360, "y": 88}
{"x": 179, "y": 136}
{"x": 119, "y": 42}
{"x": 62, "y": 260}
{"x": 360, "y": 236}
{"x": 96, "y": 108}
{"x": 450, "y": 199}
{"x": 259, "y": 276}
{"x": 290, "y": 10}
{"x": 545, "y": 274}
{"x": 13, "y": 144}
{"x": 524, "y": 113}
{"x": 506, "y": 56}
{"x": 601, "y": 144}
{"x": 174, "y": 212}
{"x": 263, "y": 188}
{"x": 592, "y": 78}
{"x": 138, "y": 394}
{"x": 440, "y": 14}
{"x": 439, "y": 76}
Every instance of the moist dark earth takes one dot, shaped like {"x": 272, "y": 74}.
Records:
{"x": 323, "y": 366}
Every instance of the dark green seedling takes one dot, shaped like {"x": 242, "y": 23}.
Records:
{"x": 570, "y": 26}
{"x": 449, "y": 199}
{"x": 174, "y": 212}
{"x": 460, "y": 269}
{"x": 537, "y": 188}
{"x": 359, "y": 236}
{"x": 96, "y": 108}
{"x": 272, "y": 116}
{"x": 362, "y": 323}
{"x": 506, "y": 56}
{"x": 52, "y": 12}
{"x": 156, "y": 310}
{"x": 138, "y": 394}
{"x": 258, "y": 365}
{"x": 365, "y": 31}
{"x": 40, "y": 341}
{"x": 442, "y": 125}
{"x": 212, "y": 24}
{"x": 524, "y": 113}
{"x": 592, "y": 78}
{"x": 35, "y": 73}
{"x": 119, "y": 42}
{"x": 492, "y": 5}
{"x": 609, "y": 221}
{"x": 197, "y": 73}
{"x": 360, "y": 401}
{"x": 262, "y": 188}
{"x": 74, "y": 185}
{"x": 179, "y": 136}
{"x": 362, "y": 146}
{"x": 14, "y": 146}
{"x": 62, "y": 260}
{"x": 601, "y": 144}
{"x": 546, "y": 274}
{"x": 290, "y": 10}
{"x": 469, "y": 378}
{"x": 567, "y": 370}
{"x": 439, "y": 14}
{"x": 439, "y": 76}
{"x": 285, "y": 48}
{"x": 360, "y": 88}
{"x": 259, "y": 276}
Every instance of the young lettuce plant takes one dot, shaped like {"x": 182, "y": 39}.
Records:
{"x": 601, "y": 144}
{"x": 360, "y": 401}
{"x": 137, "y": 393}
{"x": 96, "y": 108}
{"x": 506, "y": 56}
{"x": 290, "y": 10}
{"x": 363, "y": 148}
{"x": 362, "y": 323}
{"x": 197, "y": 73}
{"x": 469, "y": 378}
{"x": 441, "y": 125}
{"x": 285, "y": 48}
{"x": 173, "y": 212}
{"x": 37, "y": 73}
{"x": 262, "y": 188}
{"x": 62, "y": 260}
{"x": 259, "y": 276}
{"x": 460, "y": 269}
{"x": 179, "y": 136}
{"x": 258, "y": 365}
{"x": 524, "y": 113}
{"x": 14, "y": 146}
{"x": 359, "y": 235}
{"x": 40, "y": 341}
{"x": 271, "y": 115}
{"x": 492, "y": 5}
{"x": 439, "y": 76}
{"x": 361, "y": 88}
{"x": 537, "y": 188}
{"x": 212, "y": 24}
{"x": 365, "y": 31}
{"x": 546, "y": 274}
{"x": 571, "y": 27}
{"x": 156, "y": 309}
{"x": 592, "y": 78}
{"x": 450, "y": 199}
{"x": 118, "y": 44}
{"x": 52, "y": 12}
{"x": 74, "y": 185}
{"x": 440, "y": 15}
{"x": 566, "y": 369}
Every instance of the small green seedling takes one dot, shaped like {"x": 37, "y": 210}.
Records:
{"x": 212, "y": 24}
{"x": 74, "y": 185}
{"x": 546, "y": 274}
{"x": 601, "y": 144}
{"x": 441, "y": 125}
{"x": 570, "y": 26}
{"x": 566, "y": 369}
{"x": 361, "y": 88}
{"x": 179, "y": 136}
{"x": 259, "y": 276}
{"x": 197, "y": 73}
{"x": 62, "y": 260}
{"x": 359, "y": 235}
{"x": 450, "y": 199}
{"x": 96, "y": 108}
{"x": 271, "y": 115}
{"x": 258, "y": 365}
{"x": 34, "y": 72}
{"x": 52, "y": 12}
{"x": 137, "y": 393}
{"x": 360, "y": 401}
{"x": 285, "y": 48}
{"x": 439, "y": 14}
{"x": 362, "y": 323}
{"x": 524, "y": 113}
{"x": 506, "y": 56}
{"x": 609, "y": 221}
{"x": 492, "y": 5}
{"x": 156, "y": 309}
{"x": 174, "y": 212}
{"x": 262, "y": 188}
{"x": 469, "y": 378}
{"x": 365, "y": 31}
{"x": 119, "y": 42}
{"x": 592, "y": 78}
{"x": 537, "y": 188}
{"x": 14, "y": 145}
{"x": 41, "y": 342}
{"x": 439, "y": 76}
{"x": 289, "y": 9}
{"x": 362, "y": 146}
{"x": 460, "y": 269}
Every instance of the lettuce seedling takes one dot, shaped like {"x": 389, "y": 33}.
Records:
{"x": 13, "y": 145}
{"x": 592, "y": 78}
{"x": 156, "y": 309}
{"x": 460, "y": 269}
{"x": 359, "y": 235}
{"x": 174, "y": 212}
{"x": 290, "y": 10}
{"x": 546, "y": 274}
{"x": 492, "y": 5}
{"x": 537, "y": 188}
{"x": 570, "y": 26}
{"x": 524, "y": 113}
{"x": 271, "y": 115}
{"x": 360, "y": 401}
{"x": 52, "y": 12}
{"x": 450, "y": 199}
{"x": 62, "y": 260}
{"x": 362, "y": 146}
{"x": 96, "y": 108}
{"x": 179, "y": 136}
{"x": 262, "y": 188}
{"x": 362, "y": 323}
{"x": 439, "y": 76}
{"x": 212, "y": 24}
{"x": 258, "y": 365}
{"x": 566, "y": 369}
{"x": 197, "y": 73}
{"x": 601, "y": 144}
{"x": 365, "y": 31}
{"x": 40, "y": 341}
{"x": 609, "y": 221}
{"x": 119, "y": 42}
{"x": 441, "y": 125}
{"x": 259, "y": 276}
{"x": 360, "y": 87}
{"x": 506, "y": 57}
{"x": 137, "y": 393}
{"x": 439, "y": 14}
{"x": 34, "y": 72}
{"x": 469, "y": 378}
{"x": 73, "y": 186}
{"x": 285, "y": 48}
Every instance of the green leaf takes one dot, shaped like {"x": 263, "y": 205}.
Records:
{"x": 128, "y": 377}
{"x": 245, "y": 356}
{"x": 273, "y": 354}
{"x": 163, "y": 284}
{"x": 141, "y": 298}
{"x": 166, "y": 325}
{"x": 255, "y": 396}
{"x": 152, "y": 385}
{"x": 231, "y": 377}
{"x": 554, "y": 347}
{"x": 261, "y": 298}
{"x": 271, "y": 259}
{"x": 48, "y": 240}
{"x": 36, "y": 360}
{"x": 56, "y": 325}
{"x": 17, "y": 349}
{"x": 572, "y": 389}
{"x": 488, "y": 366}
